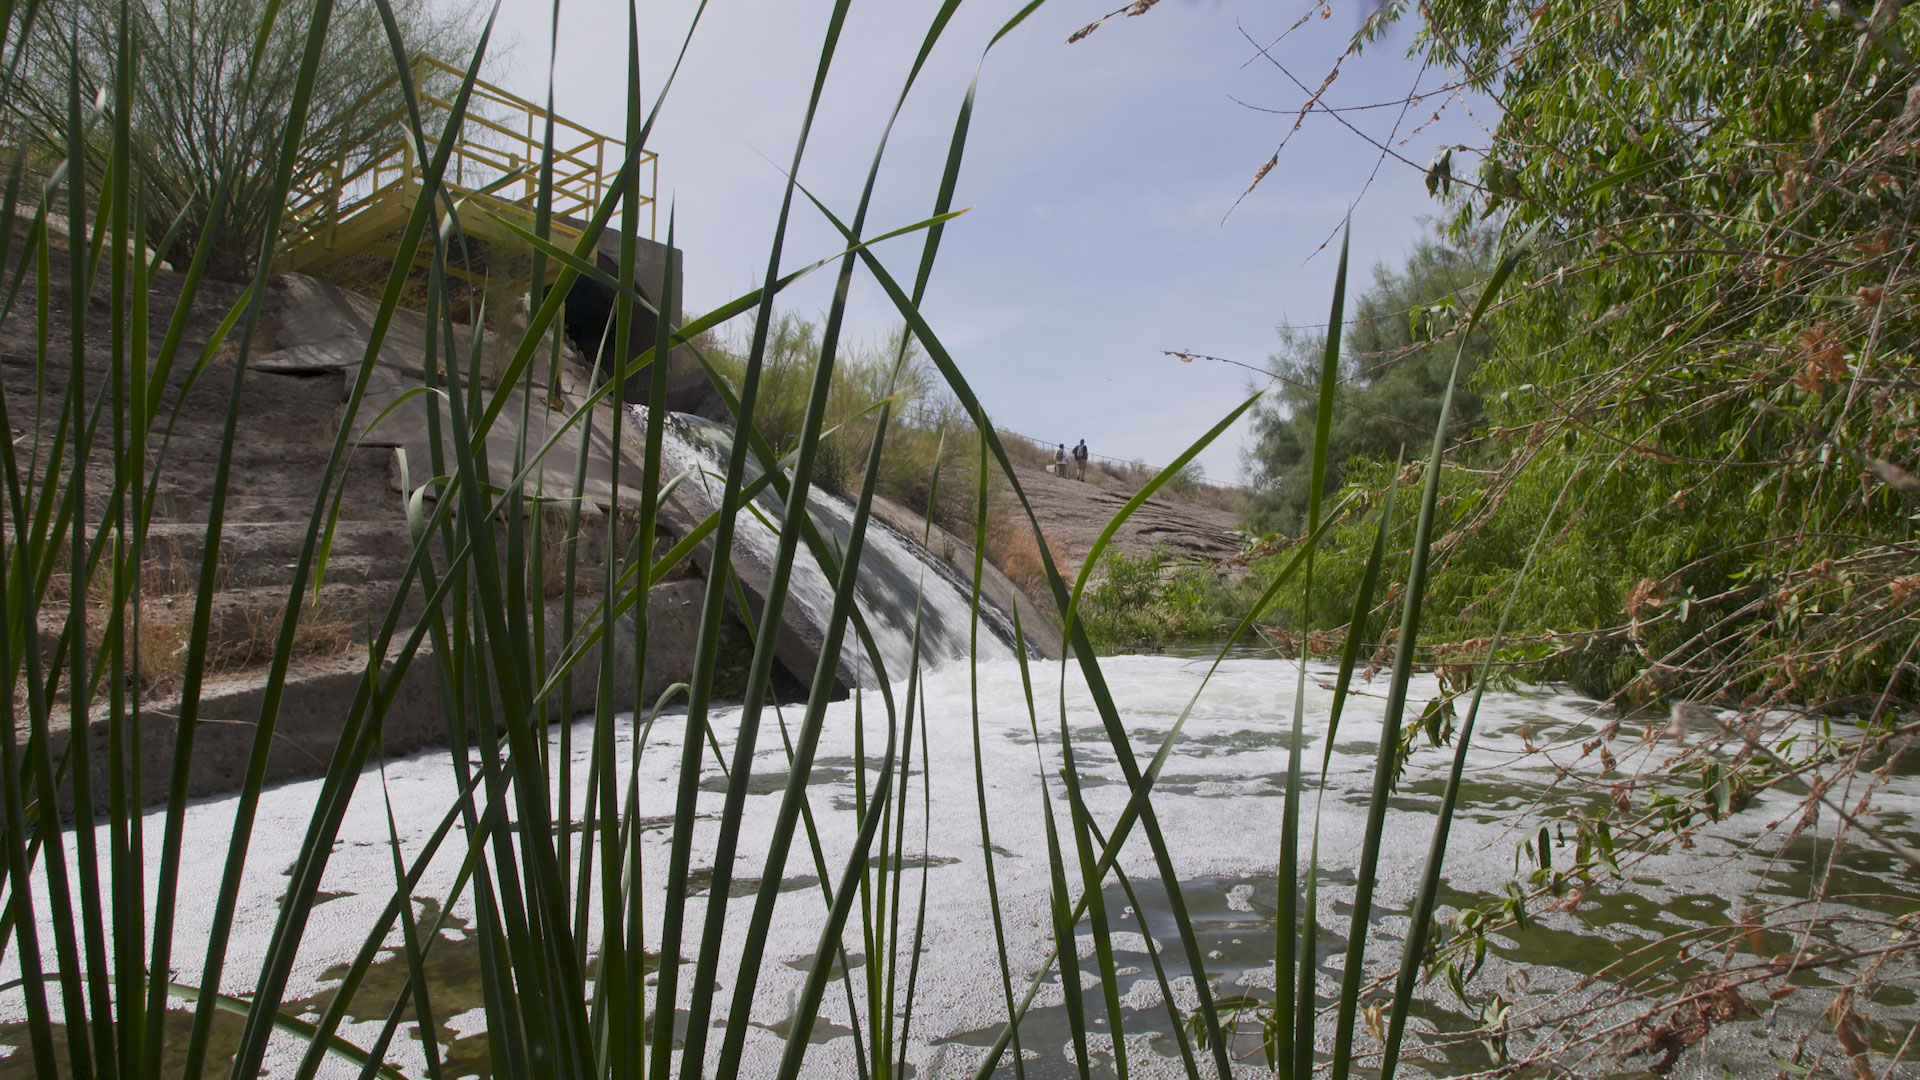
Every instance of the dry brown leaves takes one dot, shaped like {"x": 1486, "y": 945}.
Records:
{"x": 1893, "y": 475}
{"x": 1790, "y": 183}
{"x": 1643, "y": 597}
{"x": 1825, "y": 359}
{"x": 1138, "y": 7}
{"x": 1650, "y": 684}
{"x": 1687, "y": 1023}
{"x": 1847, "y": 1028}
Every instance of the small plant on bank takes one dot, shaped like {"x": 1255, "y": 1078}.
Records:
{"x": 1147, "y": 602}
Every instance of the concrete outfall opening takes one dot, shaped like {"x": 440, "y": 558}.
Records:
{"x": 591, "y": 308}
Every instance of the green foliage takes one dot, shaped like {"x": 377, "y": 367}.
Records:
{"x": 1396, "y": 356}
{"x": 1707, "y": 383}
{"x": 203, "y": 113}
{"x": 929, "y": 436}
{"x": 1150, "y": 601}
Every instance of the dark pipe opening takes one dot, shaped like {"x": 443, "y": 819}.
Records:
{"x": 589, "y": 325}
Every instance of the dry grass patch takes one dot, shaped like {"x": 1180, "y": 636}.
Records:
{"x": 1011, "y": 547}
{"x": 242, "y": 633}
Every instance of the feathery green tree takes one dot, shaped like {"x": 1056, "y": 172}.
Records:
{"x": 204, "y": 111}
{"x": 1394, "y": 373}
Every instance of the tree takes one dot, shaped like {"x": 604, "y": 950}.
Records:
{"x": 1706, "y": 408}
{"x": 198, "y": 116}
{"x": 1722, "y": 312}
{"x": 1393, "y": 373}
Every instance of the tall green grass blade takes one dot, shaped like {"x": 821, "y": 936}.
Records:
{"x": 701, "y": 694}
{"x": 86, "y": 1051}
{"x": 130, "y": 840}
{"x": 820, "y": 870}
{"x": 292, "y": 1025}
{"x": 20, "y": 893}
{"x": 397, "y": 906}
{"x": 1061, "y": 922}
{"x": 127, "y": 306}
{"x": 1092, "y": 889}
{"x": 613, "y": 993}
{"x": 918, "y": 947}
{"x": 410, "y": 939}
{"x": 507, "y": 1028}
{"x": 308, "y": 870}
{"x": 99, "y": 1008}
{"x": 1427, "y": 896}
{"x": 1426, "y": 900}
{"x": 1290, "y": 936}
{"x": 551, "y": 985}
{"x": 817, "y": 970}
{"x": 1385, "y": 768}
{"x": 979, "y": 757}
{"x": 834, "y": 564}
{"x": 845, "y": 576}
{"x": 1167, "y": 997}
{"x": 1110, "y": 852}
{"x": 1306, "y": 1001}
{"x": 893, "y": 851}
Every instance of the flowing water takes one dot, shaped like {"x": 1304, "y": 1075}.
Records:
{"x": 1218, "y": 802}
{"x": 899, "y": 581}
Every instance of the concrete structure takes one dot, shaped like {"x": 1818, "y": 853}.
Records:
{"x": 347, "y": 228}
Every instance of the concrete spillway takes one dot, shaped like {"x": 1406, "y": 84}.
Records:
{"x": 900, "y": 584}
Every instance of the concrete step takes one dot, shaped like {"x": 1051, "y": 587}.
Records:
{"x": 320, "y": 689}
{"x": 264, "y": 553}
{"x": 245, "y": 622}
{"x": 291, "y": 480}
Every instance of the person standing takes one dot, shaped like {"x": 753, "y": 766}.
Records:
{"x": 1080, "y": 461}
{"x": 1060, "y": 462}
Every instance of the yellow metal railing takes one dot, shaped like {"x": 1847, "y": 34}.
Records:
{"x": 495, "y": 165}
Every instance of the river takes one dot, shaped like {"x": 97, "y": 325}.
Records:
{"x": 1219, "y": 803}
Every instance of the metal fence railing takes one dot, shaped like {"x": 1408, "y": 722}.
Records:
{"x": 495, "y": 164}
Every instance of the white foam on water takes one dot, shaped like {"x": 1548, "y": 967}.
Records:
{"x": 1235, "y": 734}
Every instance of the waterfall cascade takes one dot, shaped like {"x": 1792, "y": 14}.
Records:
{"x": 899, "y": 580}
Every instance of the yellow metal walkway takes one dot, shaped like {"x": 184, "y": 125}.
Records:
{"x": 345, "y": 225}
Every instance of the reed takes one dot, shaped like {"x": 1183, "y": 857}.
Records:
{"x": 574, "y": 978}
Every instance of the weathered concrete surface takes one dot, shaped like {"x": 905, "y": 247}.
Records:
{"x": 331, "y": 332}
{"x": 798, "y": 647}
{"x": 319, "y": 697}
{"x": 590, "y": 311}
{"x": 1038, "y": 620}
{"x": 312, "y": 339}
{"x": 322, "y": 329}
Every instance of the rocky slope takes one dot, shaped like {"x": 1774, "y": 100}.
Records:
{"x": 1072, "y": 513}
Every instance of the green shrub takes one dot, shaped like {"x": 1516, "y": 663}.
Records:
{"x": 1150, "y": 601}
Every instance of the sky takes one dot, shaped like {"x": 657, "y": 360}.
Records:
{"x": 1101, "y": 176}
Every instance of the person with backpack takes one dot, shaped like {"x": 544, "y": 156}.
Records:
{"x": 1080, "y": 460}
{"x": 1060, "y": 462}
